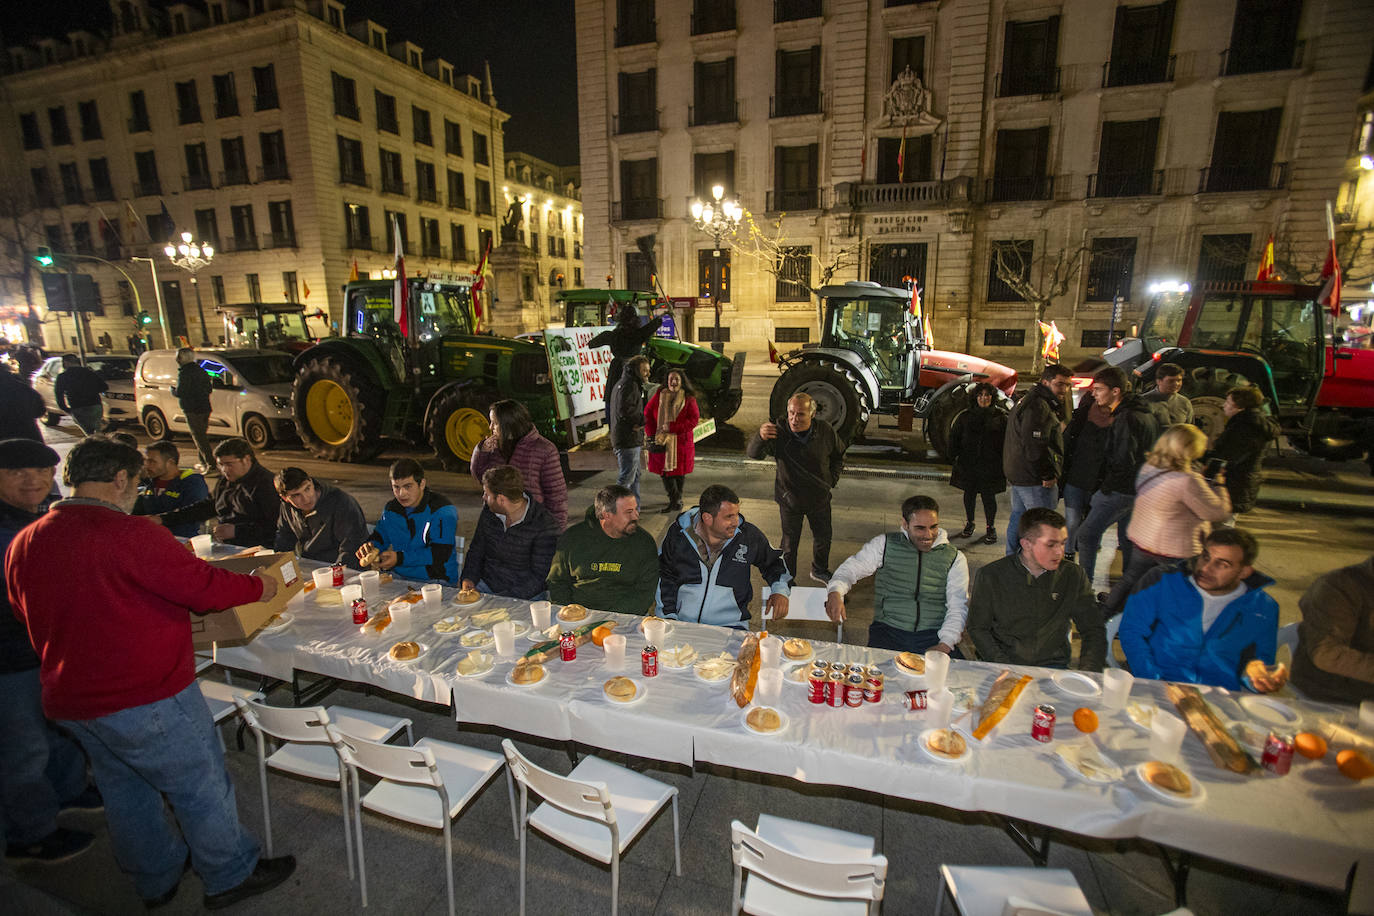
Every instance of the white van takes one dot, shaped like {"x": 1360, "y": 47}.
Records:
{"x": 250, "y": 394}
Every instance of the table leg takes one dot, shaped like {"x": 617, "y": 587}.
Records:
{"x": 1178, "y": 873}
{"x": 1021, "y": 834}
{"x": 313, "y": 693}
{"x": 571, "y": 747}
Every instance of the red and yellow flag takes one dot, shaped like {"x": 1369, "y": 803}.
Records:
{"x": 1266, "y": 271}
{"x": 353, "y": 274}
{"x": 773, "y": 353}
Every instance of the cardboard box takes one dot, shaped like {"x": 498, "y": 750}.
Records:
{"x": 237, "y": 624}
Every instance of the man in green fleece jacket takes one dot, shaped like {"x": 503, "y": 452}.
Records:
{"x": 1021, "y": 605}
{"x": 607, "y": 562}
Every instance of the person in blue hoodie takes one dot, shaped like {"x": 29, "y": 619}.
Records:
{"x": 1211, "y": 624}
{"x": 417, "y": 529}
{"x": 704, "y": 561}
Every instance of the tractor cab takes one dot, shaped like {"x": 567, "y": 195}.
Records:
{"x": 272, "y": 326}
{"x": 879, "y": 330}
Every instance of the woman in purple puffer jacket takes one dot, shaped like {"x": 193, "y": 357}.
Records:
{"x": 515, "y": 441}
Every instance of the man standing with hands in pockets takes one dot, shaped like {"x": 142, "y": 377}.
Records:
{"x": 193, "y": 394}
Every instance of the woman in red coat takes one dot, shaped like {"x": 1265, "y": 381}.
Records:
{"x": 669, "y": 421}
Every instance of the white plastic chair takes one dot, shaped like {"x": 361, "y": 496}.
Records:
{"x": 428, "y": 784}
{"x": 800, "y": 869}
{"x": 307, "y": 749}
{"x": 980, "y": 891}
{"x": 598, "y": 810}
{"x": 220, "y": 699}
{"x": 804, "y": 603}
{"x": 1287, "y": 636}
{"x": 1113, "y": 626}
{"x": 460, "y": 545}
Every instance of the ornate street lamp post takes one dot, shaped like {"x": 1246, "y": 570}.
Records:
{"x": 191, "y": 257}
{"x": 717, "y": 218}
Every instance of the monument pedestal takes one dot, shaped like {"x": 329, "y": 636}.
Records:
{"x": 517, "y": 310}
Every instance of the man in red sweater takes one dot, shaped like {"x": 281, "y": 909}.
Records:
{"x": 105, "y": 597}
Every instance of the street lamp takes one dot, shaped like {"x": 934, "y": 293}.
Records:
{"x": 717, "y": 218}
{"x": 191, "y": 256}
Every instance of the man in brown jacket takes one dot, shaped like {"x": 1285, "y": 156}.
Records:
{"x": 1334, "y": 659}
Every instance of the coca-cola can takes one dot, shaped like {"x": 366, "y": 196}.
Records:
{"x": 1042, "y": 723}
{"x": 873, "y": 686}
{"x": 819, "y": 662}
{"x": 818, "y": 686}
{"x": 648, "y": 661}
{"x": 917, "y": 699}
{"x": 567, "y": 645}
{"x": 360, "y": 611}
{"x": 854, "y": 690}
{"x": 834, "y": 685}
{"x": 837, "y": 666}
{"x": 856, "y": 668}
{"x": 1278, "y": 753}
{"x": 338, "y": 570}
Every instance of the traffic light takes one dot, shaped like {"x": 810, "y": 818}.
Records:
{"x": 44, "y": 256}
{"x": 144, "y": 318}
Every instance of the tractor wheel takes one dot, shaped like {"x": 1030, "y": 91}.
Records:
{"x": 1209, "y": 417}
{"x": 155, "y": 424}
{"x": 940, "y": 421}
{"x": 338, "y": 411}
{"x": 726, "y": 404}
{"x": 457, "y": 422}
{"x": 837, "y": 400}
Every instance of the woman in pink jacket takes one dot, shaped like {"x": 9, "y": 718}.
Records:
{"x": 515, "y": 441}
{"x": 670, "y": 419}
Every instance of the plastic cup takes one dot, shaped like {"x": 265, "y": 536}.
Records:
{"x": 371, "y": 581}
{"x": 540, "y": 612}
{"x": 1166, "y": 736}
{"x": 939, "y": 706}
{"x": 324, "y": 578}
{"x": 432, "y": 593}
{"x": 654, "y": 628}
{"x": 504, "y": 635}
{"x": 203, "y": 545}
{"x": 400, "y": 614}
{"x": 770, "y": 684}
{"x": 615, "y": 651}
{"x": 1367, "y": 714}
{"x": 1116, "y": 687}
{"x": 350, "y": 594}
{"x": 937, "y": 669}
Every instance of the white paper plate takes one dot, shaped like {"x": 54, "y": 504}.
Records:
{"x": 640, "y": 693}
{"x": 476, "y": 639}
{"x": 424, "y": 650}
{"x": 744, "y": 720}
{"x": 1198, "y": 792}
{"x": 456, "y": 625}
{"x": 791, "y": 676}
{"x": 1270, "y": 711}
{"x": 941, "y": 758}
{"x": 1249, "y": 737}
{"x": 1076, "y": 684}
{"x": 482, "y": 673}
{"x": 1131, "y": 717}
{"x": 534, "y": 635}
{"x": 282, "y": 622}
{"x": 668, "y": 630}
{"x": 518, "y": 627}
{"x": 663, "y": 661}
{"x": 711, "y": 680}
{"x": 1103, "y": 778}
{"x": 786, "y": 659}
{"x": 481, "y": 600}
{"x": 526, "y": 686}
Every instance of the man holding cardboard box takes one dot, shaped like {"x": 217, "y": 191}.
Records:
{"x": 117, "y": 671}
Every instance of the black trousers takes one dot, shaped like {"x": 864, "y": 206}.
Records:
{"x": 673, "y": 484}
{"x": 989, "y": 505}
{"x": 821, "y": 532}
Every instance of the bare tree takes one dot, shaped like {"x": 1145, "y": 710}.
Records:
{"x": 770, "y": 248}
{"x": 1037, "y": 279}
{"x": 1354, "y": 249}
{"x": 21, "y": 235}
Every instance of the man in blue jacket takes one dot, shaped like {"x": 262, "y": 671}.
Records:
{"x": 415, "y": 535}
{"x": 166, "y": 486}
{"x": 1214, "y": 625}
{"x": 703, "y": 564}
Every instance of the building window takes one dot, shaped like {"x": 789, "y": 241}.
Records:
{"x": 1126, "y": 160}
{"x": 158, "y": 229}
{"x": 207, "y": 226}
{"x": 795, "y": 182}
{"x": 1021, "y": 163}
{"x": 458, "y": 241}
{"x": 890, "y": 265}
{"x": 226, "y": 96}
{"x": 386, "y": 112}
{"x": 126, "y": 297}
{"x": 138, "y": 112}
{"x": 453, "y": 138}
{"x": 351, "y": 169}
{"x": 392, "y": 176}
{"x": 426, "y": 190}
{"x": 481, "y": 190}
{"x": 245, "y": 229}
{"x": 638, "y": 102}
{"x": 712, "y": 16}
{"x": 90, "y": 120}
{"x": 1015, "y": 257}
{"x": 109, "y": 239}
{"x": 713, "y": 274}
{"x": 359, "y": 226}
{"x": 289, "y": 286}
{"x": 634, "y": 22}
{"x": 908, "y": 52}
{"x": 28, "y": 125}
{"x": 639, "y": 189}
{"x": 145, "y": 168}
{"x": 264, "y": 88}
{"x": 217, "y": 289}
{"x": 1096, "y": 340}
{"x": 419, "y": 120}
{"x": 282, "y": 224}
{"x": 457, "y": 191}
{"x": 480, "y": 154}
{"x": 792, "y": 335}
{"x": 710, "y": 333}
{"x": 794, "y": 275}
{"x": 713, "y": 93}
{"x": 1223, "y": 258}
{"x": 396, "y": 218}
{"x": 711, "y": 169}
{"x": 197, "y": 167}
{"x": 793, "y": 10}
{"x": 55, "y": 239}
{"x": 797, "y": 82}
{"x": 42, "y": 187}
{"x": 1004, "y": 337}
{"x": 272, "y": 146}
{"x": 345, "y": 97}
{"x": 81, "y": 238}
{"x": 903, "y": 159}
{"x": 254, "y": 287}
{"x": 1140, "y": 45}
{"x": 188, "y": 103}
{"x": 1030, "y": 52}
{"x": 71, "y": 183}
{"x": 429, "y": 238}
{"x": 235, "y": 161}
{"x": 1111, "y": 263}
{"x": 101, "y": 188}
{"x": 1243, "y": 151}
{"x": 57, "y": 127}
{"x": 1264, "y": 36}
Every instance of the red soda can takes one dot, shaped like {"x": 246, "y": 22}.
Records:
{"x": 873, "y": 685}
{"x": 338, "y": 575}
{"x": 360, "y": 611}
{"x": 1278, "y": 753}
{"x": 648, "y": 661}
{"x": 856, "y": 669}
{"x": 1042, "y": 723}
{"x": 854, "y": 690}
{"x": 818, "y": 685}
{"x": 917, "y": 699}
{"x": 567, "y": 645}
{"x": 834, "y": 685}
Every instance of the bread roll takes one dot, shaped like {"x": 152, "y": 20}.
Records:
{"x": 764, "y": 719}
{"x": 468, "y": 596}
{"x": 912, "y": 661}
{"x": 527, "y": 673}
{"x": 947, "y": 743}
{"x": 1167, "y": 777}
{"x": 796, "y": 648}
{"x": 405, "y": 651}
{"x": 573, "y": 612}
{"x": 621, "y": 689}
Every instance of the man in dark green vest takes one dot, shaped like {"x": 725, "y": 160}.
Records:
{"x": 920, "y": 584}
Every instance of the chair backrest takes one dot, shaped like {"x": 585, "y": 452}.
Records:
{"x": 864, "y": 880}
{"x": 1113, "y": 626}
{"x": 584, "y": 799}
{"x": 804, "y": 603}
{"x": 1288, "y": 636}
{"x": 305, "y": 725}
{"x": 396, "y": 762}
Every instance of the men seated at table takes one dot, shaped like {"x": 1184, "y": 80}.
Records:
{"x": 704, "y": 562}
{"x": 416, "y": 533}
{"x": 166, "y": 486}
{"x": 1022, "y": 604}
{"x": 318, "y": 521}
{"x": 1334, "y": 660}
{"x": 245, "y": 500}
{"x": 920, "y": 584}
{"x": 606, "y": 561}
{"x": 513, "y": 546}
{"x": 1212, "y": 623}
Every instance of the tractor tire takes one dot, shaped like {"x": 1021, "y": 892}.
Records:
{"x": 338, "y": 410}
{"x": 726, "y": 404}
{"x": 155, "y": 424}
{"x": 1209, "y": 416}
{"x": 837, "y": 399}
{"x": 940, "y": 421}
{"x": 457, "y": 422}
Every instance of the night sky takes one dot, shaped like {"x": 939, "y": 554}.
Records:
{"x": 528, "y": 42}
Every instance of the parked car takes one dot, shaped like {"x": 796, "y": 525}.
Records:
{"x": 250, "y": 394}
{"x": 116, "y": 370}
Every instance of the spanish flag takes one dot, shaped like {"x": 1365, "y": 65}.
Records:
{"x": 1266, "y": 272}
{"x": 773, "y": 353}
{"x": 353, "y": 274}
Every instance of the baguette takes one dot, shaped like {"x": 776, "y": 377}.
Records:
{"x": 746, "y": 675}
{"x": 1221, "y": 745}
{"x": 1000, "y": 700}
{"x": 546, "y": 650}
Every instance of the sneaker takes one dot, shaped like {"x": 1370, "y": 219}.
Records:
{"x": 267, "y": 875}
{"x": 88, "y": 800}
{"x": 823, "y": 576}
{"x": 991, "y": 537}
{"x": 59, "y": 846}
{"x": 967, "y": 532}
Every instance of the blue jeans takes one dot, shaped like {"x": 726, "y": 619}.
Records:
{"x": 628, "y": 459}
{"x": 1023, "y": 498}
{"x": 1107, "y": 509}
{"x": 40, "y": 767}
{"x": 168, "y": 748}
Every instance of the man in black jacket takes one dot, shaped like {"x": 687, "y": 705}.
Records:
{"x": 809, "y": 460}
{"x": 318, "y": 521}
{"x": 1242, "y": 444}
{"x": 625, "y": 413}
{"x": 626, "y": 339}
{"x": 20, "y": 408}
{"x": 1033, "y": 451}
{"x": 245, "y": 500}
{"x": 193, "y": 394}
{"x": 515, "y": 540}
{"x": 78, "y": 390}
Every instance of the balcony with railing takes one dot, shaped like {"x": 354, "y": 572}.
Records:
{"x": 354, "y": 176}
{"x": 715, "y": 114}
{"x": 457, "y": 201}
{"x": 1222, "y": 179}
{"x": 788, "y": 106}
{"x": 227, "y": 108}
{"x": 148, "y": 187}
{"x": 636, "y": 31}
{"x": 73, "y": 196}
{"x": 642, "y": 208}
{"x": 198, "y": 182}
{"x": 1137, "y": 183}
{"x": 102, "y": 192}
{"x": 279, "y": 240}
{"x": 246, "y": 242}
{"x": 276, "y": 171}
{"x": 634, "y": 122}
{"x": 909, "y": 195}
{"x": 793, "y": 199}
{"x": 462, "y": 254}
{"x": 431, "y": 250}
{"x": 393, "y": 185}
{"x": 1027, "y": 82}
{"x": 231, "y": 177}
{"x": 1138, "y": 72}
{"x": 358, "y": 242}
{"x": 1240, "y": 61}
{"x": 792, "y": 10}
{"x": 426, "y": 194}
{"x": 266, "y": 101}
{"x": 139, "y": 125}
{"x": 1038, "y": 187}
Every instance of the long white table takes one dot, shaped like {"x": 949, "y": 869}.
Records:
{"x": 1310, "y": 826}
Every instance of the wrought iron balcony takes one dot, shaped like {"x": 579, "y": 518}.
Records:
{"x": 1027, "y": 82}
{"x": 1040, "y": 187}
{"x": 1226, "y": 178}
{"x": 642, "y": 208}
{"x": 1138, "y": 183}
{"x": 635, "y": 122}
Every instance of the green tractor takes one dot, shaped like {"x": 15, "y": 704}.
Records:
{"x": 433, "y": 384}
{"x": 716, "y": 377}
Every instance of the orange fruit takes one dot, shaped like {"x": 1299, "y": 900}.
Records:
{"x": 1355, "y": 764}
{"x": 1084, "y": 719}
{"x": 600, "y": 633}
{"x": 1311, "y": 746}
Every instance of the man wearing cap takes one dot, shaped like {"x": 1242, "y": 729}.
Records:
{"x": 42, "y": 770}
{"x": 117, "y": 671}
